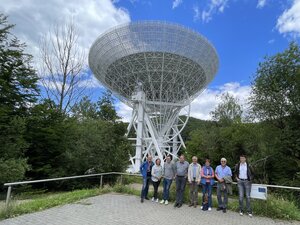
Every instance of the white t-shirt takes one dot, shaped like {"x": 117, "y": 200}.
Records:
{"x": 243, "y": 171}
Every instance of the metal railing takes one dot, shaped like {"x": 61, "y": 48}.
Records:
{"x": 10, "y": 185}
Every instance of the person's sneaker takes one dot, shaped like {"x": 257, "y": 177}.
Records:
{"x": 191, "y": 204}
{"x": 195, "y": 205}
{"x": 146, "y": 198}
{"x": 219, "y": 208}
{"x": 241, "y": 213}
{"x": 250, "y": 214}
{"x": 201, "y": 207}
{"x": 179, "y": 205}
{"x": 152, "y": 199}
{"x": 224, "y": 210}
{"x": 209, "y": 208}
{"x": 156, "y": 200}
{"x": 162, "y": 201}
{"x": 142, "y": 200}
{"x": 175, "y": 205}
{"x": 166, "y": 202}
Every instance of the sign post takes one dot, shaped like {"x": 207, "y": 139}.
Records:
{"x": 259, "y": 191}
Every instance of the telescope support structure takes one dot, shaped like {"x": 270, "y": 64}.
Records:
{"x": 160, "y": 140}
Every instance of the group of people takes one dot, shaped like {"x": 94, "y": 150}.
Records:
{"x": 196, "y": 176}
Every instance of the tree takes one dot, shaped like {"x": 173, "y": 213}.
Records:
{"x": 275, "y": 101}
{"x": 228, "y": 111}
{"x": 85, "y": 109}
{"x": 18, "y": 91}
{"x": 276, "y": 86}
{"x": 49, "y": 133}
{"x": 62, "y": 66}
{"x": 107, "y": 110}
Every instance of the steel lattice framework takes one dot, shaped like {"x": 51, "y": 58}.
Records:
{"x": 157, "y": 68}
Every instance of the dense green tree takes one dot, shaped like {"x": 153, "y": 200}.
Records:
{"x": 276, "y": 87}
{"x": 18, "y": 91}
{"x": 49, "y": 133}
{"x": 276, "y": 101}
{"x": 228, "y": 111}
{"x": 85, "y": 109}
{"x": 107, "y": 110}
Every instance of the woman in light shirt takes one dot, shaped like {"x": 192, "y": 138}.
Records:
{"x": 156, "y": 175}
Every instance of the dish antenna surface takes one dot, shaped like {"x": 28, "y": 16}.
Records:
{"x": 156, "y": 68}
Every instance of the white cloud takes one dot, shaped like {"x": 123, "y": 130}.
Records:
{"x": 124, "y": 111}
{"x": 196, "y": 13}
{"x": 210, "y": 98}
{"x": 289, "y": 20}
{"x": 214, "y": 6}
{"x": 261, "y": 4}
{"x": 204, "y": 103}
{"x": 176, "y": 3}
{"x": 271, "y": 41}
{"x": 35, "y": 18}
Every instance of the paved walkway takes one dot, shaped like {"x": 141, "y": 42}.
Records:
{"x": 118, "y": 209}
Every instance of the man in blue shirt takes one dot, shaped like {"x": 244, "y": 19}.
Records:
{"x": 145, "y": 170}
{"x": 222, "y": 171}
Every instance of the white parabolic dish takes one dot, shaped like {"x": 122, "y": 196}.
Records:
{"x": 157, "y": 68}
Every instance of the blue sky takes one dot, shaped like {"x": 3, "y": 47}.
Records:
{"x": 242, "y": 31}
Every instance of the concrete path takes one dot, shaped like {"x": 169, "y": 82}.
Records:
{"x": 119, "y": 209}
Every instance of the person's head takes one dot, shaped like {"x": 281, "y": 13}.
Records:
{"x": 242, "y": 158}
{"x": 157, "y": 161}
{"x": 149, "y": 158}
{"x": 168, "y": 158}
{"x": 223, "y": 162}
{"x": 181, "y": 158}
{"x": 194, "y": 159}
{"x": 207, "y": 162}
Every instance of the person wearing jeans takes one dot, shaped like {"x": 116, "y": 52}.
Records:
{"x": 181, "y": 175}
{"x": 168, "y": 175}
{"x": 222, "y": 171}
{"x": 194, "y": 176}
{"x": 156, "y": 175}
{"x": 244, "y": 177}
{"x": 207, "y": 181}
{"x": 145, "y": 170}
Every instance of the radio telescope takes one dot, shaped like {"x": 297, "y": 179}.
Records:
{"x": 156, "y": 68}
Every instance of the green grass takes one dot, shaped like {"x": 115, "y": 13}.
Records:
{"x": 46, "y": 201}
{"x": 274, "y": 207}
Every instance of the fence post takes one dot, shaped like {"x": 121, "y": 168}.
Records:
{"x": 121, "y": 179}
{"x": 101, "y": 181}
{"x": 8, "y": 197}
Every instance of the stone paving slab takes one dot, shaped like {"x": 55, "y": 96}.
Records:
{"x": 119, "y": 209}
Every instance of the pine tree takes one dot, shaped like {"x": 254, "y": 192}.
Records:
{"x": 18, "y": 91}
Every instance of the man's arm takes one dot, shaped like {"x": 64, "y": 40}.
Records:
{"x": 141, "y": 168}
{"x": 236, "y": 176}
{"x": 219, "y": 179}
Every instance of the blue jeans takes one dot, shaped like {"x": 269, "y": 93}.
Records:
{"x": 220, "y": 190}
{"x": 207, "y": 188}
{"x": 244, "y": 188}
{"x": 145, "y": 188}
{"x": 167, "y": 184}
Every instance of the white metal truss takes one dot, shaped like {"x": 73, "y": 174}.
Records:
{"x": 157, "y": 68}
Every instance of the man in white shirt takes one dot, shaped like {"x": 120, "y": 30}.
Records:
{"x": 244, "y": 177}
